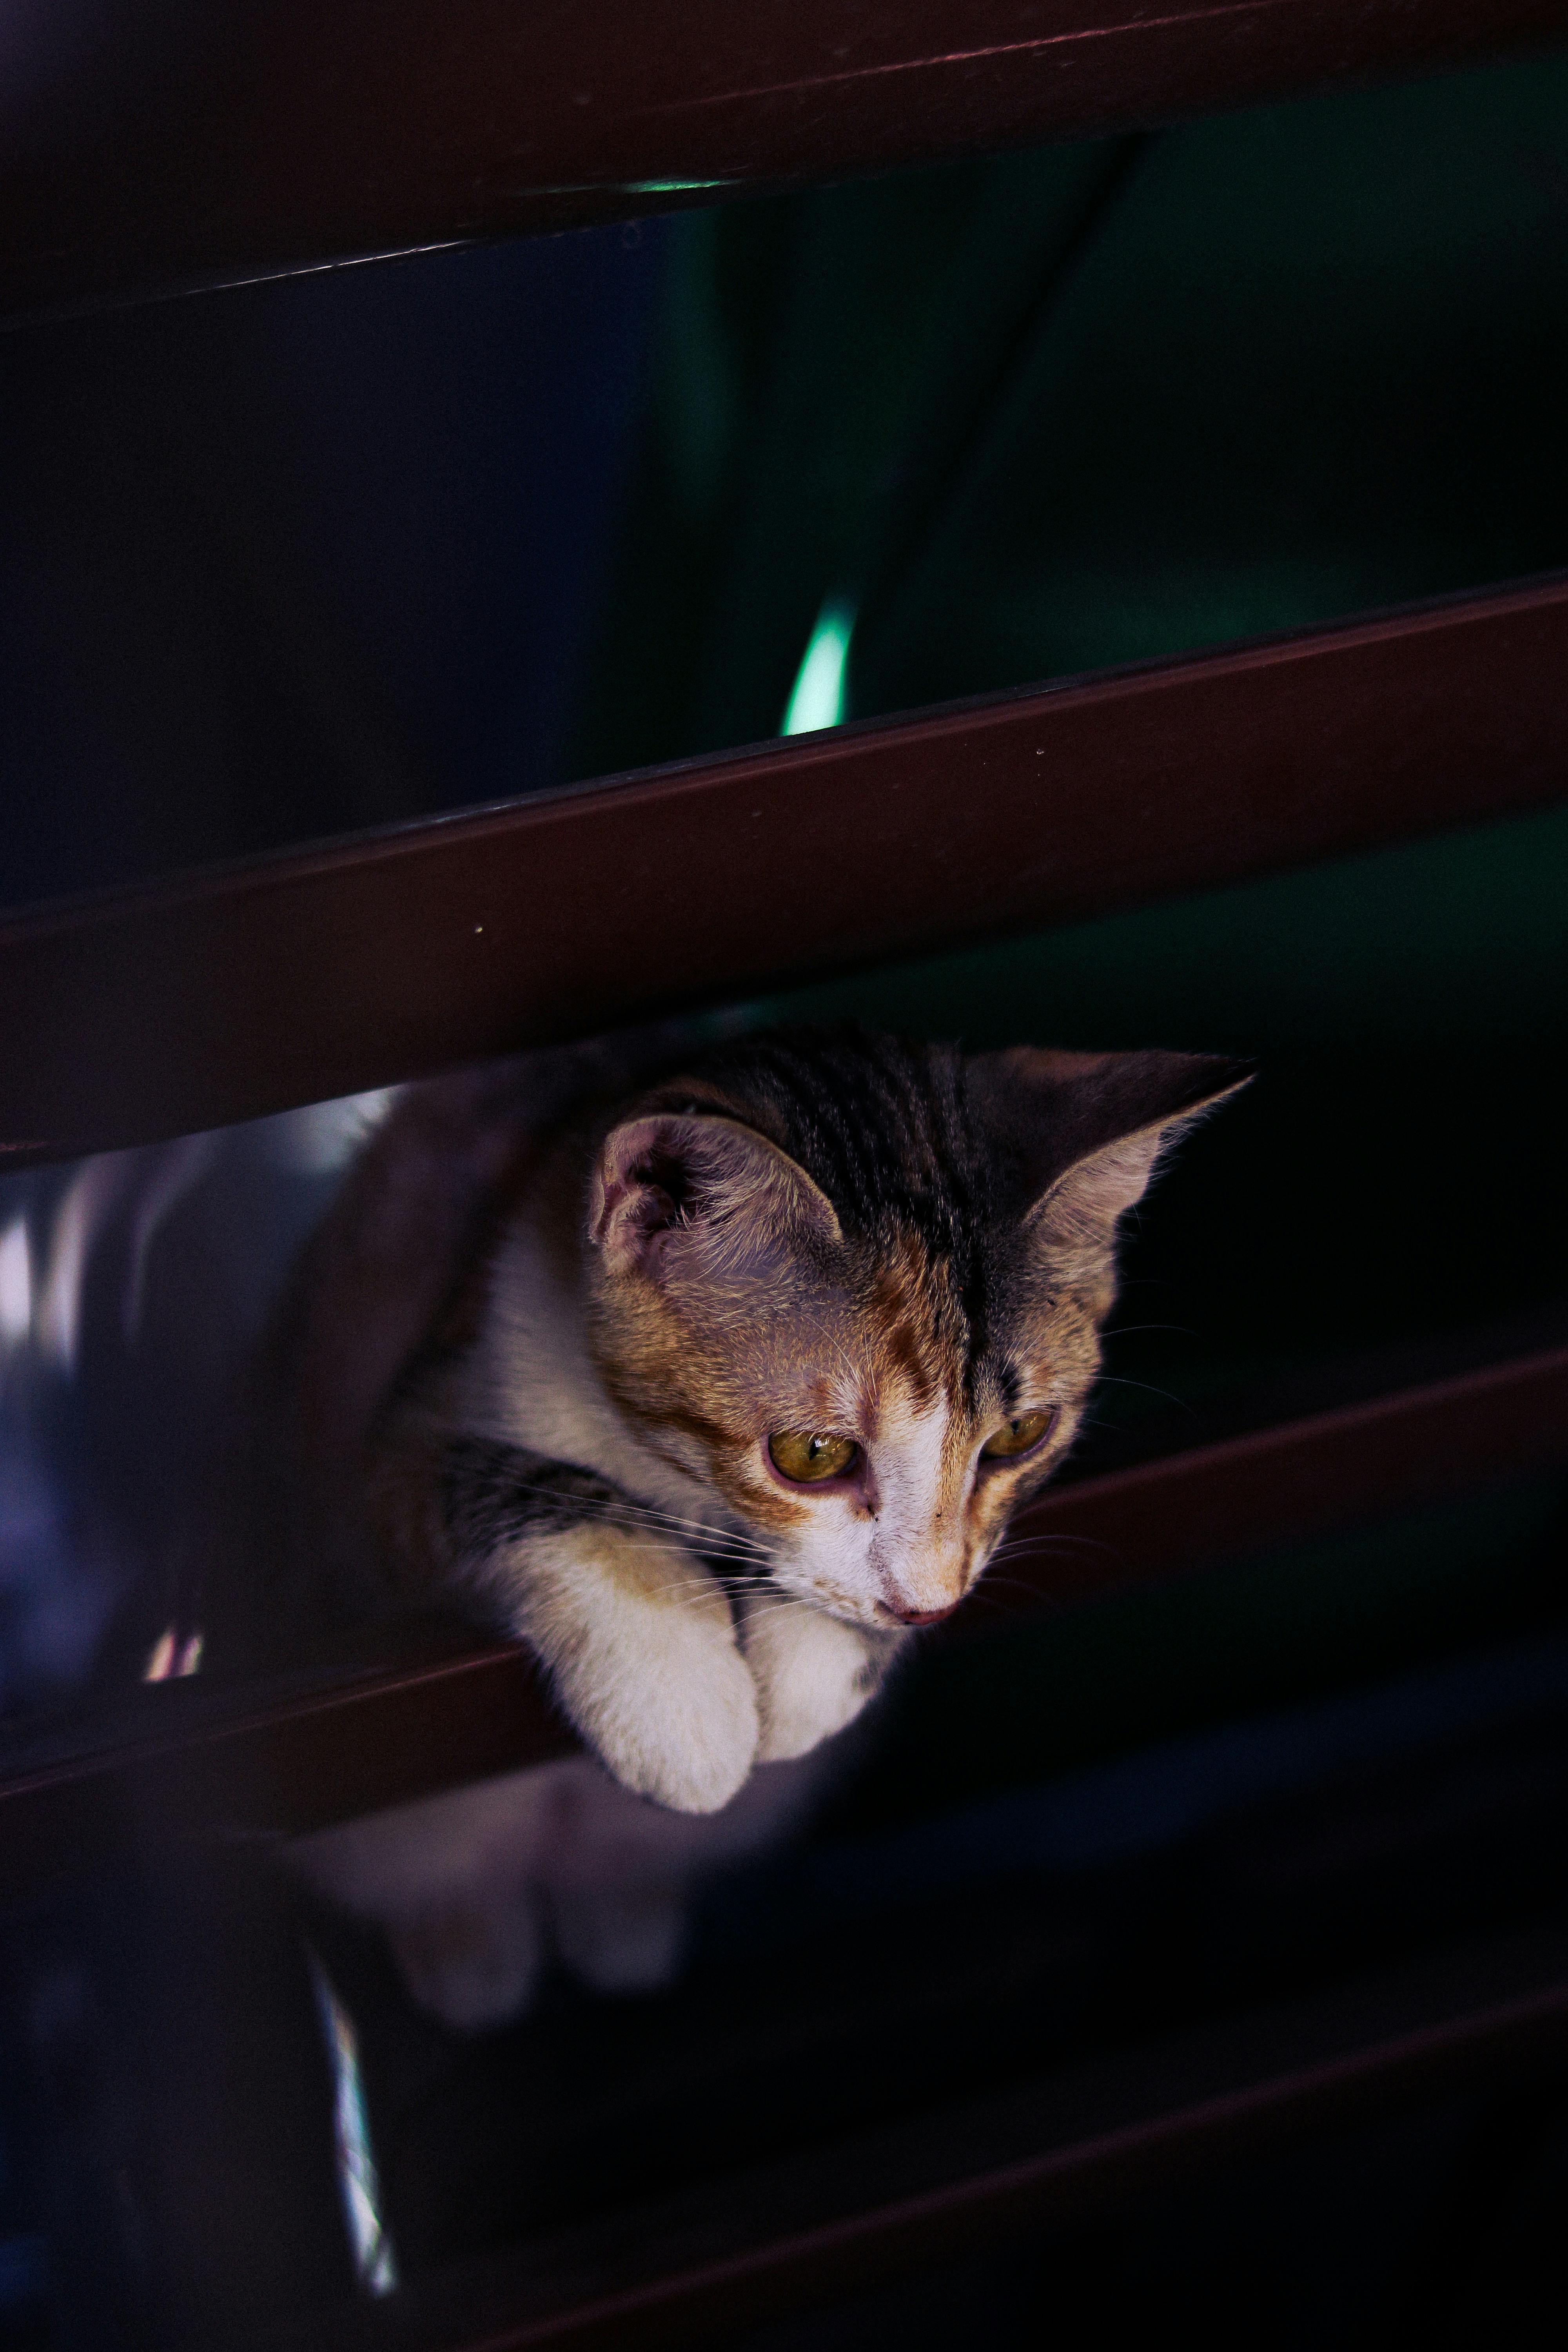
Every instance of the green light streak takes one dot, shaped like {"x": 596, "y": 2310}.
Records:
{"x": 670, "y": 187}
{"x": 816, "y": 697}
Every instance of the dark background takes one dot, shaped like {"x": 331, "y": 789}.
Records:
{"x": 287, "y": 561}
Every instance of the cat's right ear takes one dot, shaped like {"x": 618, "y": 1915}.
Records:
{"x": 685, "y": 1186}
{"x": 1078, "y": 1136}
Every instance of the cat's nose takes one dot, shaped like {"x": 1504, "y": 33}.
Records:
{"x": 918, "y": 1616}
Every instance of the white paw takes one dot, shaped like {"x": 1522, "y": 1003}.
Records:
{"x": 678, "y": 1724}
{"x": 646, "y": 1663}
{"x": 813, "y": 1674}
{"x": 475, "y": 1960}
{"x": 620, "y": 1939}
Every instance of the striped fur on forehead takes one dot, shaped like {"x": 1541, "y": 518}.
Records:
{"x": 883, "y": 1125}
{"x": 879, "y": 1123}
{"x": 918, "y": 1333}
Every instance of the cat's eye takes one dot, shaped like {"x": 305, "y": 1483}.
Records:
{"x": 1014, "y": 1437}
{"x": 807, "y": 1455}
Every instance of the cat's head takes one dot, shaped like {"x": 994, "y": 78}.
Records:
{"x": 855, "y": 1286}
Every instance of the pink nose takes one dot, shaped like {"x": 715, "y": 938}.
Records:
{"x": 918, "y": 1616}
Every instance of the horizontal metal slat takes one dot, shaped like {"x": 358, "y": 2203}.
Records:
{"x": 164, "y": 147}
{"x": 1439, "y": 2026}
{"x": 233, "y": 992}
{"x": 173, "y": 1765}
{"x": 1296, "y": 1482}
{"x": 182, "y": 1761}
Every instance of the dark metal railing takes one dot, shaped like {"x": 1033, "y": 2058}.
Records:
{"x": 180, "y": 1761}
{"x": 163, "y": 1010}
{"x": 1052, "y": 2152}
{"x": 173, "y": 146}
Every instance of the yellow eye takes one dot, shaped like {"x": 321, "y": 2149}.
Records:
{"x": 809, "y": 1454}
{"x": 1020, "y": 1436}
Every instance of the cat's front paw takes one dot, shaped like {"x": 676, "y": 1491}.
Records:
{"x": 646, "y": 1660}
{"x": 813, "y": 1674}
{"x": 683, "y": 1729}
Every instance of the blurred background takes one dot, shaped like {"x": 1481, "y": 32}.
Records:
{"x": 292, "y": 560}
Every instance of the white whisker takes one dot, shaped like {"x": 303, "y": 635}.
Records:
{"x": 621, "y": 1510}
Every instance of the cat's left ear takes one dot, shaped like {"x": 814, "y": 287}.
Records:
{"x": 1078, "y": 1136}
{"x": 688, "y": 1189}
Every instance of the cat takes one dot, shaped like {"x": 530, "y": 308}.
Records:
{"x": 713, "y": 1385}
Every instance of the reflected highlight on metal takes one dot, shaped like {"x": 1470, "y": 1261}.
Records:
{"x": 374, "y": 2260}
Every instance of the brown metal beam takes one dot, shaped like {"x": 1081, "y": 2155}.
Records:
{"x": 150, "y": 146}
{"x": 1104, "y": 2131}
{"x": 1294, "y": 1483}
{"x": 243, "y": 991}
{"x": 176, "y": 1764}
{"x": 183, "y": 1762}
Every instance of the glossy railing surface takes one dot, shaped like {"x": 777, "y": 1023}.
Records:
{"x": 178, "y": 1762}
{"x": 150, "y": 148}
{"x": 184, "y": 1005}
{"x": 1054, "y": 2151}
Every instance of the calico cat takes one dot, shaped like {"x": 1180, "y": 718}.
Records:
{"x": 740, "y": 1372}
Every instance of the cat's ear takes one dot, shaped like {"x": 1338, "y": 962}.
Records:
{"x": 1078, "y": 1136}
{"x": 683, "y": 1186}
